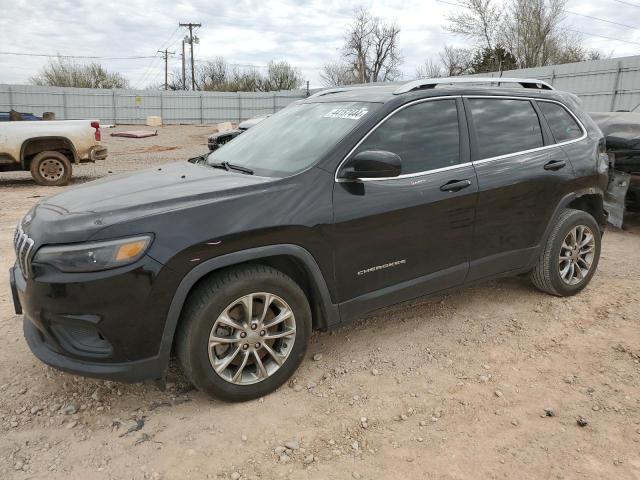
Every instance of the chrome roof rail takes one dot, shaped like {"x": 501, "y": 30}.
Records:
{"x": 432, "y": 82}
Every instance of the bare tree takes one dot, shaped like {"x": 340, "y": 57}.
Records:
{"x": 282, "y": 76}
{"x": 218, "y": 75}
{"x": 529, "y": 30}
{"x": 429, "y": 69}
{"x": 456, "y": 61}
{"x": 336, "y": 74}
{"x": 62, "y": 72}
{"x": 370, "y": 52}
{"x": 480, "y": 21}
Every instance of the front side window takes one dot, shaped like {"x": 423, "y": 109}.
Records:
{"x": 424, "y": 135}
{"x": 294, "y": 138}
{"x": 504, "y": 126}
{"x": 563, "y": 126}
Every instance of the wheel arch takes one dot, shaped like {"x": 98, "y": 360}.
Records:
{"x": 292, "y": 260}
{"x": 590, "y": 200}
{"x": 32, "y": 146}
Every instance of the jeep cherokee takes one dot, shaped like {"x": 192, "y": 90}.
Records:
{"x": 338, "y": 205}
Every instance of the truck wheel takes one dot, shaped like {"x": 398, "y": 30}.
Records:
{"x": 570, "y": 257}
{"x": 51, "y": 169}
{"x": 243, "y": 332}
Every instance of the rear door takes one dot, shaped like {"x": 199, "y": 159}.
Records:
{"x": 522, "y": 175}
{"x": 398, "y": 236}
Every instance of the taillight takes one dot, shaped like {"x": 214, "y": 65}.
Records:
{"x": 96, "y": 125}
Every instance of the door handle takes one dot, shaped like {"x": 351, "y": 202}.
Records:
{"x": 555, "y": 165}
{"x": 455, "y": 185}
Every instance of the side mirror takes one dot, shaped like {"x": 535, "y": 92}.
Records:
{"x": 372, "y": 164}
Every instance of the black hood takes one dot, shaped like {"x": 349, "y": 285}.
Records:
{"x": 79, "y": 212}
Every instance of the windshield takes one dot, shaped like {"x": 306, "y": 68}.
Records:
{"x": 294, "y": 138}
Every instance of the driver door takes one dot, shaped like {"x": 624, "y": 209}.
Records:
{"x": 399, "y": 238}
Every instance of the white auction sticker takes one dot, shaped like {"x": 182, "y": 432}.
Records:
{"x": 349, "y": 113}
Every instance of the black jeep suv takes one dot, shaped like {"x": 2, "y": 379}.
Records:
{"x": 342, "y": 203}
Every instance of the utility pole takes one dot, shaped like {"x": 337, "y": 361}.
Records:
{"x": 165, "y": 54}
{"x": 191, "y": 26}
{"x": 184, "y": 76}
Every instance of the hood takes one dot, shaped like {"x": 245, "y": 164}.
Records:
{"x": 83, "y": 210}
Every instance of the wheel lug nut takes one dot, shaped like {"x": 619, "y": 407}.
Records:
{"x": 257, "y": 345}
{"x": 245, "y": 346}
{"x": 262, "y": 333}
{"x": 243, "y": 334}
{"x": 254, "y": 326}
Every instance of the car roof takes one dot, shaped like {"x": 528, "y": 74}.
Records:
{"x": 388, "y": 93}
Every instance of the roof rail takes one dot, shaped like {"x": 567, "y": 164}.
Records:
{"x": 328, "y": 92}
{"x": 432, "y": 82}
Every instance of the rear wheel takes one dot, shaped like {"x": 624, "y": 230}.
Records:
{"x": 51, "y": 169}
{"x": 570, "y": 257}
{"x": 244, "y": 332}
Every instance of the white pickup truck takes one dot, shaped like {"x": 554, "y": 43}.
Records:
{"x": 49, "y": 148}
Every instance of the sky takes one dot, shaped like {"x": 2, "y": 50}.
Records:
{"x": 305, "y": 33}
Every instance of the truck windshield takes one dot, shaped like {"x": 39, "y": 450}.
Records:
{"x": 294, "y": 138}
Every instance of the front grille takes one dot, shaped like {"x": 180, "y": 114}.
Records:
{"x": 23, "y": 246}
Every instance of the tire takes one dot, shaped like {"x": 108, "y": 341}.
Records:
{"x": 553, "y": 275}
{"x": 51, "y": 169}
{"x": 228, "y": 292}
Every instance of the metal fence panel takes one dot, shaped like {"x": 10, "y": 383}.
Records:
{"x": 602, "y": 85}
{"x": 134, "y": 106}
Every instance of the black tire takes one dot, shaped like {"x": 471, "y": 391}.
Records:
{"x": 51, "y": 169}
{"x": 203, "y": 307}
{"x": 546, "y": 273}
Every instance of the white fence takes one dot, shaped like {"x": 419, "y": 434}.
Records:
{"x": 134, "y": 106}
{"x": 602, "y": 85}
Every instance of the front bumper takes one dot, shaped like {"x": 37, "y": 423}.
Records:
{"x": 148, "y": 369}
{"x": 105, "y": 324}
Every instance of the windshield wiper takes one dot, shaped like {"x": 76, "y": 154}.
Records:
{"x": 230, "y": 166}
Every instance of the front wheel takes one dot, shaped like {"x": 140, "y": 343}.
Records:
{"x": 570, "y": 257}
{"x": 244, "y": 332}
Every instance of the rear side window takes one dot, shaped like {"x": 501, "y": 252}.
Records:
{"x": 562, "y": 124}
{"x": 504, "y": 126}
{"x": 424, "y": 135}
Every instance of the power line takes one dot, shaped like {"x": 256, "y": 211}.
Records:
{"x": 602, "y": 36}
{"x": 602, "y": 20}
{"x": 627, "y": 3}
{"x": 91, "y": 57}
{"x": 148, "y": 71}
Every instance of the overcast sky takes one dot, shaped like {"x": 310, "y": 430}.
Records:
{"x": 306, "y": 33}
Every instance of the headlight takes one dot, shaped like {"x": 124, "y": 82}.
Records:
{"x": 95, "y": 256}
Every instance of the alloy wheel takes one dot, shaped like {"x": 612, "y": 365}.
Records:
{"x": 252, "y": 338}
{"x": 576, "y": 254}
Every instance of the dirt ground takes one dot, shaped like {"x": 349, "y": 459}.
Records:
{"x": 449, "y": 387}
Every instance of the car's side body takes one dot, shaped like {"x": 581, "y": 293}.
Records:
{"x": 352, "y": 246}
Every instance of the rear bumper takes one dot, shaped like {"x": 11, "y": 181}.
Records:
{"x": 98, "y": 152}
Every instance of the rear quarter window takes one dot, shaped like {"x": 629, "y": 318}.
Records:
{"x": 563, "y": 126}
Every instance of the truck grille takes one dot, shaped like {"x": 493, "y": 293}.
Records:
{"x": 23, "y": 246}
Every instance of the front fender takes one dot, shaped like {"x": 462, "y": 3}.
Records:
{"x": 329, "y": 310}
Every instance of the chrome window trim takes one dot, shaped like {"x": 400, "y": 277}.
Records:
{"x": 375, "y": 127}
{"x": 537, "y": 149}
{"x": 475, "y": 162}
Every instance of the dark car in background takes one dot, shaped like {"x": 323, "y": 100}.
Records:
{"x": 218, "y": 139}
{"x": 340, "y": 204}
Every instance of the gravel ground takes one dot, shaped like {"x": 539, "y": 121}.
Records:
{"x": 492, "y": 381}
